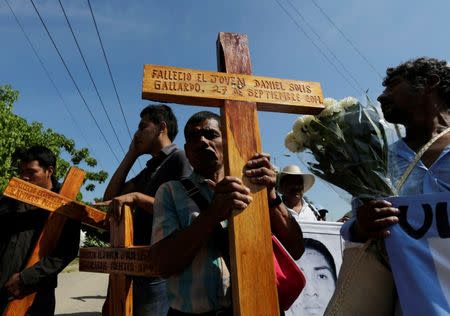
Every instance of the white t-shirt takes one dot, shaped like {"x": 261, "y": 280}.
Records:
{"x": 305, "y": 214}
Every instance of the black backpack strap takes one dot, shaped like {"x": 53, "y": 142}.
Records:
{"x": 194, "y": 193}
{"x": 220, "y": 234}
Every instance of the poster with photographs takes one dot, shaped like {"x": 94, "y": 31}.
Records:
{"x": 320, "y": 263}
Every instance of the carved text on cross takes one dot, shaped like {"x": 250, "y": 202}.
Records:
{"x": 239, "y": 95}
{"x": 235, "y": 91}
{"x": 199, "y": 87}
{"x": 45, "y": 199}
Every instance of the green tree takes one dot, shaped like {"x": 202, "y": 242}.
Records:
{"x": 16, "y": 133}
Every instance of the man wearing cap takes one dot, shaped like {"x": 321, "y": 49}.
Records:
{"x": 292, "y": 185}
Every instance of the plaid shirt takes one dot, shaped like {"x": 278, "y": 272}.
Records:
{"x": 204, "y": 285}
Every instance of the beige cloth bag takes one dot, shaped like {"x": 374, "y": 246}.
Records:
{"x": 375, "y": 293}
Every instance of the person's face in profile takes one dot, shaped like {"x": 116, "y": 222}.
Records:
{"x": 320, "y": 284}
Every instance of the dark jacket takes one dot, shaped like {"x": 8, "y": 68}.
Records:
{"x": 20, "y": 228}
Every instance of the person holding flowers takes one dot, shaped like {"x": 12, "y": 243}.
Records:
{"x": 416, "y": 95}
{"x": 349, "y": 145}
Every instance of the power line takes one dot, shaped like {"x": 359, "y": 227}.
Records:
{"x": 110, "y": 74}
{"x": 346, "y": 38}
{"x": 109, "y": 69}
{"x": 330, "y": 51}
{"x": 49, "y": 77}
{"x": 74, "y": 82}
{"x": 90, "y": 76}
{"x": 316, "y": 46}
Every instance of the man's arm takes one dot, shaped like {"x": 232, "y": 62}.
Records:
{"x": 179, "y": 168}
{"x": 174, "y": 249}
{"x": 132, "y": 199}
{"x": 43, "y": 272}
{"x": 260, "y": 171}
{"x": 117, "y": 184}
{"x": 174, "y": 253}
{"x": 286, "y": 228}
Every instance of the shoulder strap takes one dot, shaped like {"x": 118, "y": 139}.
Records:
{"x": 194, "y": 193}
{"x": 417, "y": 158}
{"x": 220, "y": 235}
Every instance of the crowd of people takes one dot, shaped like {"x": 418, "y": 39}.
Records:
{"x": 182, "y": 200}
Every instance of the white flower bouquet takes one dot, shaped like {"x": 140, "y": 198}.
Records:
{"x": 345, "y": 145}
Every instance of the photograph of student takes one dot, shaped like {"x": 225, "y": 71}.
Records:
{"x": 319, "y": 268}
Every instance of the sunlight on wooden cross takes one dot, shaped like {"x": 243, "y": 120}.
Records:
{"x": 118, "y": 263}
{"x": 253, "y": 283}
{"x": 239, "y": 95}
{"x": 120, "y": 300}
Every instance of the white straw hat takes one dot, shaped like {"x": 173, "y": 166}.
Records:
{"x": 308, "y": 179}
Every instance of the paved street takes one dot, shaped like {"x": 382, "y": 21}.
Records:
{"x": 80, "y": 293}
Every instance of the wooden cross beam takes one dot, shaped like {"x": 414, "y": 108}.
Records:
{"x": 120, "y": 290}
{"x": 119, "y": 300}
{"x": 239, "y": 95}
{"x": 132, "y": 260}
{"x": 49, "y": 236}
{"x": 254, "y": 284}
{"x": 53, "y": 202}
{"x": 121, "y": 261}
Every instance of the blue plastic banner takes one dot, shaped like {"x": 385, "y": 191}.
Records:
{"x": 419, "y": 253}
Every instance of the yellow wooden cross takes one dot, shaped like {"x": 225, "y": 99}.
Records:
{"x": 239, "y": 95}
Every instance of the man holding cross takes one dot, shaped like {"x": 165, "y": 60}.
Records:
{"x": 187, "y": 244}
{"x": 232, "y": 89}
{"x": 20, "y": 227}
{"x": 157, "y": 129}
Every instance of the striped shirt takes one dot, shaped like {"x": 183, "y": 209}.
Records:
{"x": 204, "y": 285}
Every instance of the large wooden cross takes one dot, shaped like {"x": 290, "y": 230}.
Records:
{"x": 239, "y": 95}
{"x": 62, "y": 206}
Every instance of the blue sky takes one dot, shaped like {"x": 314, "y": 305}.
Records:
{"x": 286, "y": 43}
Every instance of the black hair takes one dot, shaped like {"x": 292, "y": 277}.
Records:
{"x": 199, "y": 117}
{"x": 158, "y": 113}
{"x": 419, "y": 71}
{"x": 323, "y": 250}
{"x": 42, "y": 154}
